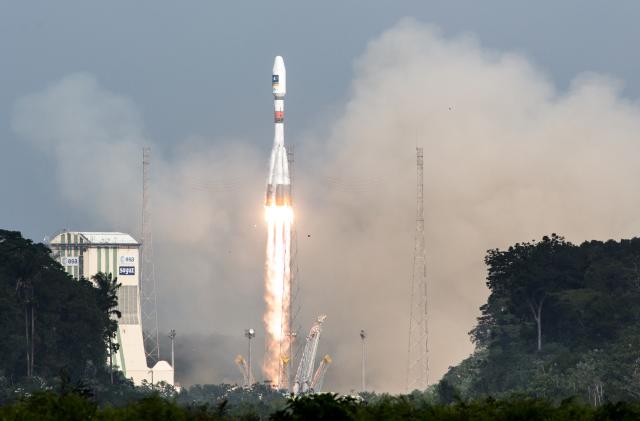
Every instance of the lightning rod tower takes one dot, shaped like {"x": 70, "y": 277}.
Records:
{"x": 148, "y": 300}
{"x": 418, "y": 354}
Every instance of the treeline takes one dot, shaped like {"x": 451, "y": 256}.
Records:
{"x": 71, "y": 406}
{"x": 561, "y": 320}
{"x": 53, "y": 327}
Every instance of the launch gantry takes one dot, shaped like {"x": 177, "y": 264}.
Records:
{"x": 306, "y": 380}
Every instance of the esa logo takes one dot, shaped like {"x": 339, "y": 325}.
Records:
{"x": 126, "y": 270}
{"x": 70, "y": 261}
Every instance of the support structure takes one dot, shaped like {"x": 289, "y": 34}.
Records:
{"x": 303, "y": 382}
{"x": 241, "y": 363}
{"x": 418, "y": 352}
{"x": 148, "y": 299}
{"x": 294, "y": 327}
{"x": 363, "y": 337}
{"x": 172, "y": 336}
{"x": 318, "y": 377}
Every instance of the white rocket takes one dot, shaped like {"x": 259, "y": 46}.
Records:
{"x": 278, "y": 182}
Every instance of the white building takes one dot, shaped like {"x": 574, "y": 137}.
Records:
{"x": 83, "y": 254}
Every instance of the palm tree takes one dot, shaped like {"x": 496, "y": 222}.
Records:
{"x": 107, "y": 287}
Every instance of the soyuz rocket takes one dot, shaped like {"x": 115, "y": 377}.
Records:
{"x": 278, "y": 181}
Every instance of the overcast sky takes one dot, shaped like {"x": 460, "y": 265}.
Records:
{"x": 199, "y": 67}
{"x": 84, "y": 84}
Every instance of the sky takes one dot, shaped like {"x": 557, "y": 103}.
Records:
{"x": 528, "y": 113}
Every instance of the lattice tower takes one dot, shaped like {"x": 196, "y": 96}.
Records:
{"x": 418, "y": 354}
{"x": 148, "y": 299}
{"x": 296, "y": 344}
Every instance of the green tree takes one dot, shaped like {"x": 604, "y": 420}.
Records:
{"x": 64, "y": 323}
{"x": 561, "y": 320}
{"x": 107, "y": 292}
{"x": 522, "y": 280}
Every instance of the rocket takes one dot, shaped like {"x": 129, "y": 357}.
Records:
{"x": 278, "y": 181}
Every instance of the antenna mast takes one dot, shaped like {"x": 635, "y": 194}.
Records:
{"x": 148, "y": 300}
{"x": 418, "y": 355}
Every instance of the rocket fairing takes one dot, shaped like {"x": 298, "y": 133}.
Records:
{"x": 278, "y": 181}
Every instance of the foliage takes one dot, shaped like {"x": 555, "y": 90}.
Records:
{"x": 56, "y": 322}
{"x": 561, "y": 320}
{"x": 259, "y": 401}
{"x": 323, "y": 406}
{"x": 72, "y": 406}
{"x": 107, "y": 301}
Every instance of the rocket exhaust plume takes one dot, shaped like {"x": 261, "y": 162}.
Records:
{"x": 279, "y": 217}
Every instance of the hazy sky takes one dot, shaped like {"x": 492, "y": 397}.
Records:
{"x": 198, "y": 67}
{"x": 84, "y": 84}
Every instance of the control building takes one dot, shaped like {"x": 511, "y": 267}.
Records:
{"x": 83, "y": 254}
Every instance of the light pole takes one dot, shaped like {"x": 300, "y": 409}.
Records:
{"x": 292, "y": 338}
{"x": 172, "y": 336}
{"x": 250, "y": 334}
{"x": 363, "y": 336}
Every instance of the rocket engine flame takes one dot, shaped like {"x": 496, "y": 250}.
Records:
{"x": 277, "y": 292}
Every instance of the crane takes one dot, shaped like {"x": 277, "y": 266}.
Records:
{"x": 305, "y": 375}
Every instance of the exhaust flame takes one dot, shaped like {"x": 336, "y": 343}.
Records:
{"x": 277, "y": 293}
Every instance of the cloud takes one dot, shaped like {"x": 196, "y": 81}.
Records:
{"x": 508, "y": 157}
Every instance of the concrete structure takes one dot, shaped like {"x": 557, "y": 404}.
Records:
{"x": 83, "y": 254}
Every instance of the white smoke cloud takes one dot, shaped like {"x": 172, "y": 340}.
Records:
{"x": 508, "y": 157}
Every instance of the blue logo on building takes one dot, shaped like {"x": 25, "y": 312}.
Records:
{"x": 127, "y": 270}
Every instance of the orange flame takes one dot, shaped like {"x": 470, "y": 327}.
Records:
{"x": 277, "y": 293}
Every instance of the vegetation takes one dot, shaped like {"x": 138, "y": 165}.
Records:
{"x": 561, "y": 320}
{"x": 71, "y": 406}
{"x": 52, "y": 325}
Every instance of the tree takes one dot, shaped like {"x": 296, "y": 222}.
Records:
{"x": 107, "y": 292}
{"x": 560, "y": 320}
{"x": 68, "y": 332}
{"x": 522, "y": 279}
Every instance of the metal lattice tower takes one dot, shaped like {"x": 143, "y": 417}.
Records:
{"x": 294, "y": 327}
{"x": 148, "y": 300}
{"x": 304, "y": 374}
{"x": 418, "y": 355}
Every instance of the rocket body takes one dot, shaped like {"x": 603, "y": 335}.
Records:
{"x": 278, "y": 181}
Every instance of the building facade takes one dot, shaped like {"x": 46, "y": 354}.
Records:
{"x": 83, "y": 254}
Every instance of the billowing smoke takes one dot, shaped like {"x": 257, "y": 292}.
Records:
{"x": 508, "y": 157}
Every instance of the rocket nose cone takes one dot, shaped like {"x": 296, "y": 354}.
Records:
{"x": 278, "y": 65}
{"x": 279, "y": 80}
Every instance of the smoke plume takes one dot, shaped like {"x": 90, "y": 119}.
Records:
{"x": 508, "y": 157}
